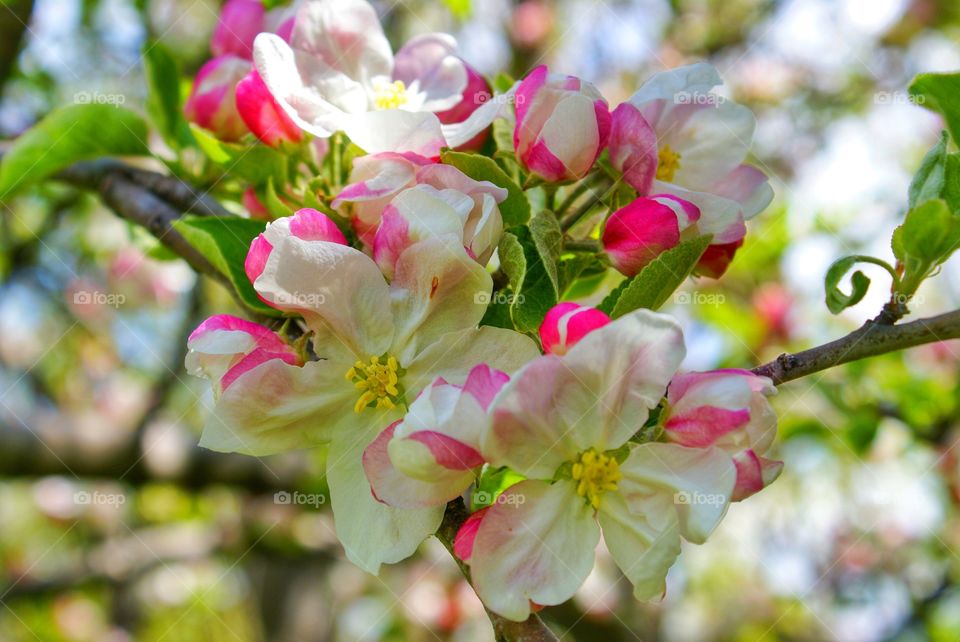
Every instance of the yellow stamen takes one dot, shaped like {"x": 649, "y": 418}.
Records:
{"x": 668, "y": 162}
{"x": 378, "y": 383}
{"x": 390, "y": 95}
{"x": 595, "y": 474}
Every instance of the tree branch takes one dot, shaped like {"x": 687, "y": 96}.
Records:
{"x": 872, "y": 339}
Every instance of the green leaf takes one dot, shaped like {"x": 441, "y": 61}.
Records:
{"x": 277, "y": 208}
{"x": 940, "y": 93}
{"x": 163, "y": 95}
{"x": 255, "y": 163}
{"x": 529, "y": 257}
{"x": 661, "y": 277}
{"x": 930, "y": 232}
{"x": 67, "y": 135}
{"x": 929, "y": 180}
{"x": 837, "y": 301}
{"x": 492, "y": 482}
{"x": 515, "y": 209}
{"x": 503, "y": 82}
{"x": 225, "y": 241}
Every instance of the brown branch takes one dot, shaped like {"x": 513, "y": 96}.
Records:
{"x": 872, "y": 339}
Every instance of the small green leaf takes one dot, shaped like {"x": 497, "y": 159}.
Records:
{"x": 255, "y": 163}
{"x": 225, "y": 241}
{"x": 163, "y": 95}
{"x": 67, "y": 135}
{"x": 939, "y": 92}
{"x": 515, "y": 209}
{"x": 929, "y": 180}
{"x": 930, "y": 233}
{"x": 660, "y": 278}
{"x": 276, "y": 207}
{"x": 503, "y": 82}
{"x": 837, "y": 301}
{"x": 529, "y": 257}
{"x": 492, "y": 482}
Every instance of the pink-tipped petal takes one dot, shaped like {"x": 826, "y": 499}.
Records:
{"x": 633, "y": 148}
{"x": 704, "y": 425}
{"x": 262, "y": 114}
{"x": 257, "y": 257}
{"x": 447, "y": 451}
{"x": 463, "y": 542}
{"x": 638, "y": 233}
{"x": 484, "y": 382}
{"x": 311, "y": 225}
{"x": 566, "y": 323}
{"x": 212, "y": 100}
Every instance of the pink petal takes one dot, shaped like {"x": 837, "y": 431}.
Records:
{"x": 257, "y": 257}
{"x": 484, "y": 382}
{"x": 448, "y": 452}
{"x": 311, "y": 225}
{"x": 633, "y": 148}
{"x": 262, "y": 114}
{"x": 566, "y": 323}
{"x": 524, "y": 97}
{"x": 716, "y": 259}
{"x": 239, "y": 23}
{"x": 704, "y": 425}
{"x": 638, "y": 233}
{"x": 463, "y": 542}
{"x": 254, "y": 359}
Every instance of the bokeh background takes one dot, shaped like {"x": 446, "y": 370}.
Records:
{"x": 115, "y": 527}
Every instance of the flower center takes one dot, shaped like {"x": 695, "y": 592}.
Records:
{"x": 595, "y": 474}
{"x": 390, "y": 95}
{"x": 377, "y": 383}
{"x": 668, "y": 162}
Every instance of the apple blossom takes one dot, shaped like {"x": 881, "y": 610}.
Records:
{"x": 566, "y": 323}
{"x": 639, "y": 232}
{"x": 564, "y": 423}
{"x": 378, "y": 345}
{"x": 563, "y": 125}
{"x": 432, "y": 455}
{"x": 377, "y": 179}
{"x": 727, "y": 409}
{"x": 307, "y": 224}
{"x": 338, "y": 73}
{"x": 424, "y": 211}
{"x": 212, "y": 103}
{"x": 238, "y": 24}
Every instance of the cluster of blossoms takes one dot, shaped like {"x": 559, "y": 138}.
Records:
{"x": 552, "y": 437}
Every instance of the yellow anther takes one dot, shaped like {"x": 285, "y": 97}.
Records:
{"x": 595, "y": 474}
{"x": 378, "y": 383}
{"x": 390, "y": 95}
{"x": 668, "y": 162}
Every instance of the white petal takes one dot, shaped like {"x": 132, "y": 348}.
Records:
{"x": 697, "y": 78}
{"x": 719, "y": 216}
{"x": 643, "y": 546}
{"x": 396, "y": 130}
{"x": 372, "y": 533}
{"x": 571, "y": 133}
{"x": 335, "y": 287}
{"x": 346, "y": 35}
{"x": 437, "y": 288}
{"x": 454, "y": 354}
{"x": 535, "y": 544}
{"x": 430, "y": 61}
{"x": 278, "y": 407}
{"x": 698, "y": 481}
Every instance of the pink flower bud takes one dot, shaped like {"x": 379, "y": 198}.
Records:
{"x": 566, "y": 323}
{"x": 307, "y": 224}
{"x": 212, "y": 101}
{"x": 639, "y": 232}
{"x": 563, "y": 123}
{"x": 717, "y": 259}
{"x": 254, "y": 207}
{"x": 476, "y": 94}
{"x": 633, "y": 148}
{"x": 239, "y": 23}
{"x": 262, "y": 114}
{"x": 726, "y": 409}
